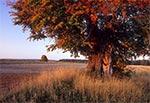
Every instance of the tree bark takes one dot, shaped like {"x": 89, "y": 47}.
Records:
{"x": 94, "y": 63}
{"x": 106, "y": 64}
{"x": 101, "y": 63}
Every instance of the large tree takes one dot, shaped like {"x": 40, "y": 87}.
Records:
{"x": 108, "y": 32}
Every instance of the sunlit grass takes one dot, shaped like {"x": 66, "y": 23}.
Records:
{"x": 72, "y": 85}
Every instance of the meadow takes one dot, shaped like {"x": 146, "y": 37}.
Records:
{"x": 67, "y": 82}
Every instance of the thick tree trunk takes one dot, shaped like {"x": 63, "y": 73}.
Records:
{"x": 94, "y": 63}
{"x": 106, "y": 65}
{"x": 100, "y": 63}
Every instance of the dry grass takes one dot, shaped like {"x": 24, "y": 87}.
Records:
{"x": 71, "y": 85}
{"x": 139, "y": 68}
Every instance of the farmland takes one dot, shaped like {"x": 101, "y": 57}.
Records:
{"x": 12, "y": 72}
{"x": 67, "y": 83}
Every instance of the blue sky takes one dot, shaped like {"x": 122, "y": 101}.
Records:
{"x": 14, "y": 43}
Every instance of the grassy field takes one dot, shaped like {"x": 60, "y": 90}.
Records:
{"x": 73, "y": 85}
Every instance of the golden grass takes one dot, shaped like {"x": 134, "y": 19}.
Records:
{"x": 139, "y": 68}
{"x": 72, "y": 85}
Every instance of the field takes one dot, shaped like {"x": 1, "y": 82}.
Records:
{"x": 12, "y": 72}
{"x": 67, "y": 82}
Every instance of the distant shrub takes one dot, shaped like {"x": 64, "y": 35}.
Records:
{"x": 44, "y": 58}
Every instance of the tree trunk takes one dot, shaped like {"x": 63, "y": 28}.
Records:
{"x": 106, "y": 65}
{"x": 100, "y": 63}
{"x": 94, "y": 63}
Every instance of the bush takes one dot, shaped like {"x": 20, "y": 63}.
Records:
{"x": 44, "y": 58}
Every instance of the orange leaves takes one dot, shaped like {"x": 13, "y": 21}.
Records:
{"x": 79, "y": 4}
{"x": 140, "y": 3}
{"x": 113, "y": 1}
{"x": 116, "y": 1}
{"x": 65, "y": 2}
{"x": 123, "y": 13}
{"x": 146, "y": 1}
{"x": 125, "y": 44}
{"x": 59, "y": 25}
{"x": 93, "y": 18}
{"x": 60, "y": 42}
{"x": 90, "y": 44}
{"x": 109, "y": 25}
{"x": 90, "y": 0}
{"x": 106, "y": 12}
{"x": 79, "y": 12}
{"x": 124, "y": 4}
{"x": 131, "y": 0}
{"x": 87, "y": 10}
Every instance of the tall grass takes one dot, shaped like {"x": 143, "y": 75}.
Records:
{"x": 71, "y": 85}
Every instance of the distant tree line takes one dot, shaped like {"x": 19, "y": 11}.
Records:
{"x": 139, "y": 62}
{"x": 134, "y": 62}
{"x": 73, "y": 60}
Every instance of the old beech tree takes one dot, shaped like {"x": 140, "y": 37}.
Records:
{"x": 108, "y": 32}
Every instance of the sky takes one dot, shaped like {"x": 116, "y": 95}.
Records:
{"x": 14, "y": 43}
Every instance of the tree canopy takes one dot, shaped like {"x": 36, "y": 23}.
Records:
{"x": 88, "y": 26}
